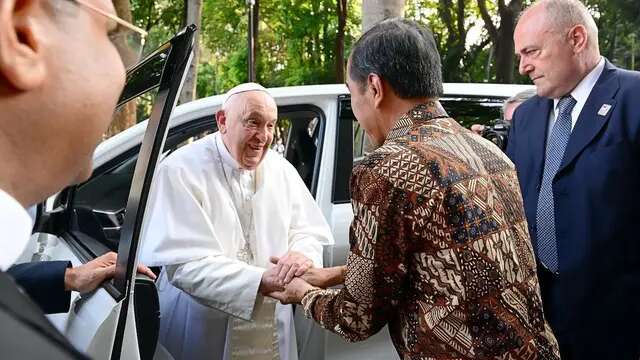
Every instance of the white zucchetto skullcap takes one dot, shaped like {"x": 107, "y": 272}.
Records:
{"x": 243, "y": 88}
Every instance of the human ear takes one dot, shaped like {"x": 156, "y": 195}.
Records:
{"x": 221, "y": 119}
{"x": 22, "y": 62}
{"x": 377, "y": 89}
{"x": 578, "y": 38}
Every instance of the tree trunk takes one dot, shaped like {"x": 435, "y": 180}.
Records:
{"x": 502, "y": 37}
{"x": 125, "y": 117}
{"x": 505, "y": 47}
{"x": 374, "y": 11}
{"x": 256, "y": 47}
{"x": 192, "y": 15}
{"x": 453, "y": 50}
{"x": 341, "y": 10}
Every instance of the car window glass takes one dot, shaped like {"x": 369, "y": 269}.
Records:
{"x": 359, "y": 142}
{"x": 300, "y": 136}
{"x": 139, "y": 96}
{"x": 465, "y": 110}
{"x": 469, "y": 111}
{"x": 99, "y": 203}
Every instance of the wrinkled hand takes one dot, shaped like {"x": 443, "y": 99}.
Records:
{"x": 270, "y": 282}
{"x": 293, "y": 292}
{"x": 291, "y": 265}
{"x": 87, "y": 277}
{"x": 325, "y": 277}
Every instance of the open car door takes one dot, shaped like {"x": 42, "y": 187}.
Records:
{"x": 121, "y": 318}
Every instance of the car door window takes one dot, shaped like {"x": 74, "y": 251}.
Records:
{"x": 100, "y": 203}
{"x": 350, "y": 137}
{"x": 473, "y": 110}
{"x": 302, "y": 140}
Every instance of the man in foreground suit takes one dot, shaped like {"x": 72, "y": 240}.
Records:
{"x": 51, "y": 119}
{"x": 575, "y": 147}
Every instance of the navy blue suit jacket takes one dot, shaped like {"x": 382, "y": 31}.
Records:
{"x": 593, "y": 303}
{"x": 43, "y": 281}
{"x": 25, "y": 333}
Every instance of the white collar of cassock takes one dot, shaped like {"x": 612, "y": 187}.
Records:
{"x": 227, "y": 158}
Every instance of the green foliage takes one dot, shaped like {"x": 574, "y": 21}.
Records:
{"x": 206, "y": 79}
{"x": 464, "y": 55}
{"x": 161, "y": 18}
{"x": 619, "y": 30}
{"x": 296, "y": 41}
{"x": 618, "y": 22}
{"x": 296, "y": 38}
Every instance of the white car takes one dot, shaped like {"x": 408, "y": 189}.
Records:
{"x": 319, "y": 136}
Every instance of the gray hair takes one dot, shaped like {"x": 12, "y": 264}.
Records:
{"x": 520, "y": 97}
{"x": 564, "y": 14}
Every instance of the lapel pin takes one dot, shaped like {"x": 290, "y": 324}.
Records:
{"x": 604, "y": 110}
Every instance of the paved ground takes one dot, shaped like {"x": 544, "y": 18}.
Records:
{"x": 316, "y": 343}
{"x": 378, "y": 347}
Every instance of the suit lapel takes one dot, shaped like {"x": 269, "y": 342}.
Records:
{"x": 538, "y": 135}
{"x": 591, "y": 120}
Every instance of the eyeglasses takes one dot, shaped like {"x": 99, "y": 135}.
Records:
{"x": 127, "y": 38}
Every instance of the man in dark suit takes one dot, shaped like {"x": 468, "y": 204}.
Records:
{"x": 60, "y": 79}
{"x": 576, "y": 149}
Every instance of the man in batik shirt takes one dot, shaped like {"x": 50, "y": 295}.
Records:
{"x": 439, "y": 244}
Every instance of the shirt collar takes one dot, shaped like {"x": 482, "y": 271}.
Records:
{"x": 16, "y": 225}
{"x": 422, "y": 112}
{"x": 581, "y": 92}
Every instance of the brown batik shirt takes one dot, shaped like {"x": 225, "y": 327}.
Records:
{"x": 439, "y": 250}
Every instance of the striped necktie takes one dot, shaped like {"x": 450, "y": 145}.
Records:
{"x": 545, "y": 216}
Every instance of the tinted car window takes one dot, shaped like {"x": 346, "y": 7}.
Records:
{"x": 469, "y": 111}
{"x": 351, "y": 138}
{"x": 101, "y": 201}
{"x": 99, "y": 204}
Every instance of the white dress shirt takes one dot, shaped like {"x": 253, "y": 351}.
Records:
{"x": 580, "y": 93}
{"x": 16, "y": 226}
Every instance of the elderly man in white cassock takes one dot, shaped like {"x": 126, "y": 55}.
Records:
{"x": 221, "y": 210}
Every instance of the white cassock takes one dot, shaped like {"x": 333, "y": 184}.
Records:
{"x": 214, "y": 255}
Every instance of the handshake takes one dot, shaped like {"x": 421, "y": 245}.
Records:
{"x": 293, "y": 275}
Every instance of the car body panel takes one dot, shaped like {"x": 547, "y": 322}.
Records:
{"x": 91, "y": 324}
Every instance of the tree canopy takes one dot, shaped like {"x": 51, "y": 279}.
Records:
{"x": 306, "y": 41}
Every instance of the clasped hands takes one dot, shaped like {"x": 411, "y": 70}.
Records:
{"x": 293, "y": 275}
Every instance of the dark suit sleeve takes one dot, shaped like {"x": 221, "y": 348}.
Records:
{"x": 512, "y": 139}
{"x": 44, "y": 283}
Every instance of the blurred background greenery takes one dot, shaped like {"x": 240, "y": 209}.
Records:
{"x": 301, "y": 42}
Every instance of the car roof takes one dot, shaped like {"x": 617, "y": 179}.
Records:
{"x": 131, "y": 137}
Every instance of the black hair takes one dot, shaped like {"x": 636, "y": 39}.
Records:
{"x": 404, "y": 54}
